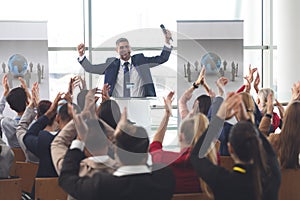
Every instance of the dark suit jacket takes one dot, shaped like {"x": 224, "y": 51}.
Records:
{"x": 235, "y": 185}
{"x": 158, "y": 185}
{"x": 143, "y": 64}
{"x": 38, "y": 141}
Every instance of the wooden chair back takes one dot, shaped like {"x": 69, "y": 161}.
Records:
{"x": 10, "y": 189}
{"x": 48, "y": 188}
{"x": 290, "y": 181}
{"x": 27, "y": 171}
{"x": 19, "y": 154}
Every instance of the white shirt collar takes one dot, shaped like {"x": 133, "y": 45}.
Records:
{"x": 99, "y": 159}
{"x": 132, "y": 169}
{"x": 123, "y": 61}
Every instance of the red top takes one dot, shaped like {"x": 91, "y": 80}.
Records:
{"x": 187, "y": 180}
{"x": 275, "y": 121}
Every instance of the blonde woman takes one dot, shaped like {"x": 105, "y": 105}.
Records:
{"x": 190, "y": 130}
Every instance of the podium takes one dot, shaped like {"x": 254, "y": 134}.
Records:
{"x": 138, "y": 110}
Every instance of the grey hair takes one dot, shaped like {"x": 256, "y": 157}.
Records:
{"x": 263, "y": 95}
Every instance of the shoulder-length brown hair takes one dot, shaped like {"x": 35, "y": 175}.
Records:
{"x": 289, "y": 140}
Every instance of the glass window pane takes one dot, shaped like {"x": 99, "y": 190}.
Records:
{"x": 65, "y": 18}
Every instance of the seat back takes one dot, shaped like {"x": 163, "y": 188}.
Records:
{"x": 290, "y": 181}
{"x": 191, "y": 196}
{"x": 19, "y": 154}
{"x": 10, "y": 189}
{"x": 48, "y": 188}
{"x": 26, "y": 171}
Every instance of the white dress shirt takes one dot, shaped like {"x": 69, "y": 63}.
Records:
{"x": 136, "y": 83}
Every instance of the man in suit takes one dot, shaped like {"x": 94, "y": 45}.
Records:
{"x": 128, "y": 76}
{"x": 134, "y": 179}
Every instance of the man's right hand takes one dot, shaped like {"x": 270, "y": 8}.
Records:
{"x": 80, "y": 49}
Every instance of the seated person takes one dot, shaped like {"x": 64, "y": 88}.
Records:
{"x": 94, "y": 162}
{"x": 17, "y": 99}
{"x": 132, "y": 180}
{"x": 6, "y": 159}
{"x": 28, "y": 117}
{"x": 202, "y": 103}
{"x": 187, "y": 180}
{"x": 256, "y": 173}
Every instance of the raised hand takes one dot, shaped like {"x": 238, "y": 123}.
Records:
{"x": 168, "y": 36}
{"x": 51, "y": 112}
{"x": 35, "y": 98}
{"x": 280, "y": 108}
{"x": 5, "y": 85}
{"x": 230, "y": 106}
{"x": 80, "y": 125}
{"x": 201, "y": 77}
{"x": 89, "y": 110}
{"x": 105, "y": 92}
{"x": 168, "y": 102}
{"x": 296, "y": 91}
{"x": 24, "y": 86}
{"x": 247, "y": 84}
{"x": 269, "y": 104}
{"x": 73, "y": 83}
{"x": 81, "y": 49}
{"x": 249, "y": 77}
{"x": 256, "y": 82}
{"x": 221, "y": 82}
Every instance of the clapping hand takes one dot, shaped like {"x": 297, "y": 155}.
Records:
{"x": 168, "y": 103}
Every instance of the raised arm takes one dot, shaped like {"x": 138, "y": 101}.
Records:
{"x": 203, "y": 166}
{"x": 26, "y": 119}
{"x": 61, "y": 144}
{"x": 265, "y": 123}
{"x": 187, "y": 95}
{"x": 160, "y": 133}
{"x": 6, "y": 90}
{"x": 32, "y": 135}
{"x": 87, "y": 66}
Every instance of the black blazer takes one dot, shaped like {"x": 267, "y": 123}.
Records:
{"x": 233, "y": 184}
{"x": 158, "y": 185}
{"x": 143, "y": 64}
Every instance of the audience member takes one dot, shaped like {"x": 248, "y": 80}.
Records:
{"x": 17, "y": 99}
{"x": 187, "y": 180}
{"x": 6, "y": 159}
{"x": 132, "y": 180}
{"x": 202, "y": 102}
{"x": 99, "y": 160}
{"x": 25, "y": 121}
{"x": 256, "y": 173}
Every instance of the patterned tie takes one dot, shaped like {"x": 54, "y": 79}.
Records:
{"x": 126, "y": 80}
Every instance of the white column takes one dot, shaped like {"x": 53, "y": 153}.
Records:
{"x": 288, "y": 32}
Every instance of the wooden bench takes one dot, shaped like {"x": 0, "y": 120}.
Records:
{"x": 191, "y": 196}
{"x": 27, "y": 172}
{"x": 10, "y": 189}
{"x": 290, "y": 181}
{"x": 48, "y": 188}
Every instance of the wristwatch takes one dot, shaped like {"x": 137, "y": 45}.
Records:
{"x": 195, "y": 86}
{"x": 269, "y": 115}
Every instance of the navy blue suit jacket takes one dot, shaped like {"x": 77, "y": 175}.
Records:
{"x": 143, "y": 64}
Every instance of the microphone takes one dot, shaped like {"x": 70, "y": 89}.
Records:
{"x": 164, "y": 30}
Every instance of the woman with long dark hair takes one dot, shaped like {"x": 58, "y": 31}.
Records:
{"x": 256, "y": 173}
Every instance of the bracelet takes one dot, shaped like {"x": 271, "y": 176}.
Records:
{"x": 269, "y": 115}
{"x": 195, "y": 86}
